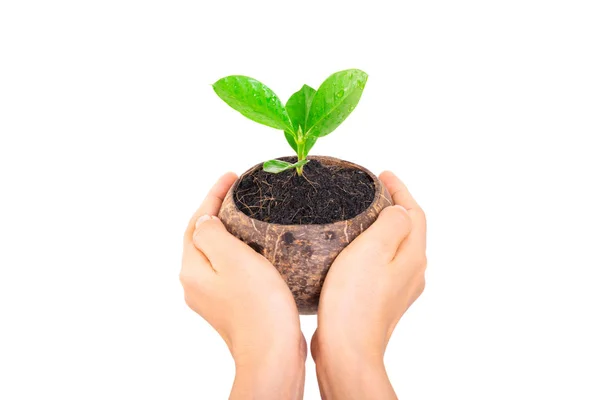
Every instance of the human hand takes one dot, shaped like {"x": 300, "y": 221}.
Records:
{"x": 369, "y": 287}
{"x": 245, "y": 299}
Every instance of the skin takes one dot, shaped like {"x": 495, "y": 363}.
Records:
{"x": 367, "y": 290}
{"x": 369, "y": 287}
{"x": 244, "y": 298}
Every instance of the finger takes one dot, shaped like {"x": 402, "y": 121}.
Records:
{"x": 217, "y": 244}
{"x": 194, "y": 262}
{"x": 212, "y": 202}
{"x": 398, "y": 190}
{"x": 402, "y": 196}
{"x": 387, "y": 233}
{"x": 195, "y": 268}
{"x": 194, "y": 265}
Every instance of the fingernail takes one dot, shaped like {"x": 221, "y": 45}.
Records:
{"x": 400, "y": 207}
{"x": 202, "y": 219}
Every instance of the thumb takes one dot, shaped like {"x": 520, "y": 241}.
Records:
{"x": 215, "y": 242}
{"x": 387, "y": 233}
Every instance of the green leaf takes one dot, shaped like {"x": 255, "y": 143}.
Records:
{"x": 335, "y": 99}
{"x": 253, "y": 100}
{"x": 277, "y": 166}
{"x": 291, "y": 140}
{"x": 298, "y": 106}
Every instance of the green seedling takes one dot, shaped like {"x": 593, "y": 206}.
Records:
{"x": 308, "y": 114}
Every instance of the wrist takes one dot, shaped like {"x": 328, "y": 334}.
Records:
{"x": 349, "y": 371}
{"x": 351, "y": 378}
{"x": 348, "y": 364}
{"x": 272, "y": 372}
{"x": 337, "y": 347}
{"x": 265, "y": 347}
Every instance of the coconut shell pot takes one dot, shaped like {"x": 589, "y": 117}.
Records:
{"x": 302, "y": 254}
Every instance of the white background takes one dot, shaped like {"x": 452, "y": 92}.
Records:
{"x": 111, "y": 135}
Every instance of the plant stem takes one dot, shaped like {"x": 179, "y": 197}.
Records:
{"x": 301, "y": 155}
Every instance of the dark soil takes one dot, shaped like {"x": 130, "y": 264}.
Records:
{"x": 322, "y": 195}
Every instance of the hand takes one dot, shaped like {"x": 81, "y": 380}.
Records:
{"x": 369, "y": 287}
{"x": 245, "y": 299}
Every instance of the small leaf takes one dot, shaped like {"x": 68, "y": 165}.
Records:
{"x": 277, "y": 166}
{"x": 335, "y": 99}
{"x": 254, "y": 100}
{"x": 298, "y": 106}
